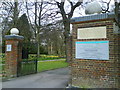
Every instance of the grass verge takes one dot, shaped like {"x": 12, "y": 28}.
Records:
{"x": 43, "y": 66}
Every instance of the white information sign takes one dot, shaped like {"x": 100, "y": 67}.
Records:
{"x": 9, "y": 48}
{"x": 92, "y": 50}
{"x": 91, "y": 32}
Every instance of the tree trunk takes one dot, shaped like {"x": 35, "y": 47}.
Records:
{"x": 68, "y": 49}
{"x": 67, "y": 40}
{"x": 66, "y": 21}
{"x": 38, "y": 44}
{"x": 15, "y": 13}
{"x": 51, "y": 49}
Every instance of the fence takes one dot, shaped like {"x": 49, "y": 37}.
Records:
{"x": 27, "y": 67}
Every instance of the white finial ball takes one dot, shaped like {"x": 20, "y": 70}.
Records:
{"x": 14, "y": 31}
{"x": 93, "y": 7}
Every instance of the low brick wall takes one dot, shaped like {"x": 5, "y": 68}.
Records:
{"x": 90, "y": 73}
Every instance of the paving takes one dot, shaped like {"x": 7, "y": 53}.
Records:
{"x": 57, "y": 78}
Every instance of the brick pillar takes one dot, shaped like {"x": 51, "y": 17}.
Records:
{"x": 13, "y": 54}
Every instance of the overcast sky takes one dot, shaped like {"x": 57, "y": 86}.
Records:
{"x": 77, "y": 13}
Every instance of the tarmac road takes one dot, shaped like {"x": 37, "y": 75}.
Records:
{"x": 49, "y": 79}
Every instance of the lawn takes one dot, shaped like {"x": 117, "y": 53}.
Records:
{"x": 48, "y": 65}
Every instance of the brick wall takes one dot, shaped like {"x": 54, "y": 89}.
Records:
{"x": 97, "y": 73}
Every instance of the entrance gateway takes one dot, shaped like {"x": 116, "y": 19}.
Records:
{"x": 95, "y": 51}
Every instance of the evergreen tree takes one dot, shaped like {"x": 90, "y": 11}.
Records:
{"x": 24, "y": 28}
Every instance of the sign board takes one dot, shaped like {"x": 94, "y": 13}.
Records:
{"x": 91, "y": 33}
{"x": 9, "y": 48}
{"x": 98, "y": 50}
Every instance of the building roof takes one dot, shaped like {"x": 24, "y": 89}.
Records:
{"x": 93, "y": 17}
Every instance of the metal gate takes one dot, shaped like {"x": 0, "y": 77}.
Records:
{"x": 27, "y": 67}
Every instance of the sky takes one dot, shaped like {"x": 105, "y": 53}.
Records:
{"x": 80, "y": 11}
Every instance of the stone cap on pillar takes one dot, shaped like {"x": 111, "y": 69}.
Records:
{"x": 14, "y": 35}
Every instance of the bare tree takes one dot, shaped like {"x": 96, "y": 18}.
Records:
{"x": 15, "y": 13}
{"x": 66, "y": 21}
{"x": 10, "y": 13}
{"x": 40, "y": 13}
{"x": 36, "y": 25}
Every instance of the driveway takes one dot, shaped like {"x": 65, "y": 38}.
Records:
{"x": 49, "y": 79}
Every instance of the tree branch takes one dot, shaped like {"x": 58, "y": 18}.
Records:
{"x": 107, "y": 9}
{"x": 73, "y": 8}
{"x": 29, "y": 17}
{"x": 62, "y": 11}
